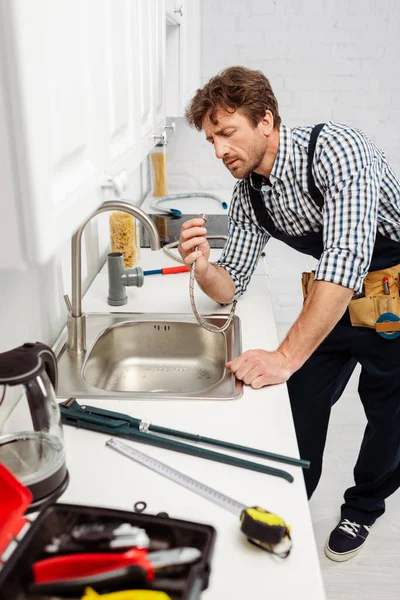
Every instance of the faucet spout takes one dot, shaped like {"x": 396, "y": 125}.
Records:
{"x": 76, "y": 320}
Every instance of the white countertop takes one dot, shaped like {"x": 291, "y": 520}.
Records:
{"x": 260, "y": 418}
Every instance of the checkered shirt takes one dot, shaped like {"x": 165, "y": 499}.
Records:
{"x": 361, "y": 195}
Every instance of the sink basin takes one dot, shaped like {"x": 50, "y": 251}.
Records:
{"x": 154, "y": 356}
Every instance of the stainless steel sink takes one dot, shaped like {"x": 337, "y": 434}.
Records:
{"x": 151, "y": 356}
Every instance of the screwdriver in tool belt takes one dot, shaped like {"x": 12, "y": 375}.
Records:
{"x": 386, "y": 286}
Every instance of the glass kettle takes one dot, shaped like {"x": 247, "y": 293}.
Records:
{"x": 31, "y": 437}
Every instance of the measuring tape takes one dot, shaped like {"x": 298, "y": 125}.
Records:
{"x": 261, "y": 527}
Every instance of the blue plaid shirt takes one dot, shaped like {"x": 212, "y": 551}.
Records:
{"x": 361, "y": 196}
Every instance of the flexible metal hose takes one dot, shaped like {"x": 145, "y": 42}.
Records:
{"x": 208, "y": 326}
{"x": 213, "y": 328}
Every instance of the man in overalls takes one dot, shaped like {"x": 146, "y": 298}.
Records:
{"x": 329, "y": 192}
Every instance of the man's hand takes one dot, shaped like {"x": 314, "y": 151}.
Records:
{"x": 214, "y": 280}
{"x": 322, "y": 310}
{"x": 259, "y": 367}
{"x": 193, "y": 235}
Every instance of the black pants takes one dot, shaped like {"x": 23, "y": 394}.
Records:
{"x": 316, "y": 387}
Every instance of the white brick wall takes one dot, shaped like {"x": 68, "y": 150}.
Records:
{"x": 326, "y": 59}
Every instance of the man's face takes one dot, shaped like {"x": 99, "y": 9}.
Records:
{"x": 236, "y": 141}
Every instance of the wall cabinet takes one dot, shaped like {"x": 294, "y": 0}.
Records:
{"x": 82, "y": 92}
{"x": 182, "y": 54}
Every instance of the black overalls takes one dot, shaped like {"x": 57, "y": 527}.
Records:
{"x": 319, "y": 383}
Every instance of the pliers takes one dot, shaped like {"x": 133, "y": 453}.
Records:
{"x": 87, "y": 565}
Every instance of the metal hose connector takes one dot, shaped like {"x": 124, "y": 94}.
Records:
{"x": 208, "y": 326}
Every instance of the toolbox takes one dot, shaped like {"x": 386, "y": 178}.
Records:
{"x": 24, "y": 542}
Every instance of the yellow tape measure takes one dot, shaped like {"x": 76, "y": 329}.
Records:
{"x": 267, "y": 530}
{"x": 263, "y": 528}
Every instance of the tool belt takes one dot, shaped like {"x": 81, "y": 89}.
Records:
{"x": 374, "y": 308}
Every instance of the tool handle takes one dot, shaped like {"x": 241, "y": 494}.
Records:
{"x": 172, "y": 270}
{"x": 229, "y": 445}
{"x": 77, "y": 565}
{"x": 115, "y": 579}
{"x": 164, "y": 442}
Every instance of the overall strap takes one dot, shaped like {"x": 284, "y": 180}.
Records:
{"x": 258, "y": 204}
{"x": 257, "y": 198}
{"x": 312, "y": 188}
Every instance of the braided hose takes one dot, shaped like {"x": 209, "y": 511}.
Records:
{"x": 208, "y": 326}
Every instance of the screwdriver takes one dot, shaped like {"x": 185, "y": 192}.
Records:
{"x": 386, "y": 286}
{"x": 167, "y": 270}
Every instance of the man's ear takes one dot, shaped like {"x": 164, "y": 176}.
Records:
{"x": 267, "y": 123}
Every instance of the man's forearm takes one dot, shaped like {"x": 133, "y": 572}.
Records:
{"x": 323, "y": 308}
{"x": 217, "y": 284}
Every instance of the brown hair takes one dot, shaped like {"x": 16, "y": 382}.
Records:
{"x": 232, "y": 89}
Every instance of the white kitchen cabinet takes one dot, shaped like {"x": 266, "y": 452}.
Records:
{"x": 182, "y": 54}
{"x": 81, "y": 97}
{"x": 120, "y": 101}
{"x": 146, "y": 35}
{"x": 159, "y": 63}
{"x": 135, "y": 83}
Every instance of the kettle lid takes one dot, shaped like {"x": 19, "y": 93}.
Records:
{"x": 15, "y": 498}
{"x": 26, "y": 361}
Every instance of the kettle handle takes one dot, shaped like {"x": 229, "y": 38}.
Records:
{"x": 34, "y": 394}
{"x": 21, "y": 365}
{"x": 46, "y": 354}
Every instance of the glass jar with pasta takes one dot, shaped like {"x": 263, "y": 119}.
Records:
{"x": 159, "y": 163}
{"x": 123, "y": 237}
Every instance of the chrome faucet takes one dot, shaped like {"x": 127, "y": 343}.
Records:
{"x": 76, "y": 320}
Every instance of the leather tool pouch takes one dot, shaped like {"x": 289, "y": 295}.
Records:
{"x": 365, "y": 311}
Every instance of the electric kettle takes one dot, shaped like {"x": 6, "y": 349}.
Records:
{"x": 31, "y": 437}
